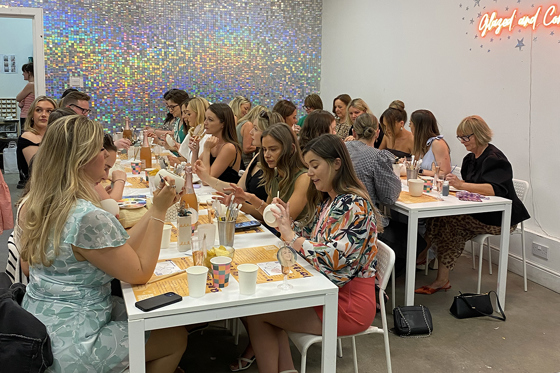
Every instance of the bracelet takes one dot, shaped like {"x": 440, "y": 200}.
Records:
{"x": 291, "y": 243}
{"x": 151, "y": 217}
{"x": 262, "y": 203}
{"x": 123, "y": 180}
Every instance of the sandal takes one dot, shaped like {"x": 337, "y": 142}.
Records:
{"x": 240, "y": 366}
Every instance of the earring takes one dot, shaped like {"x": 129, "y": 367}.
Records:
{"x": 401, "y": 128}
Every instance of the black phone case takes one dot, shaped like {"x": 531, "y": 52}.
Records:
{"x": 253, "y": 225}
{"x": 158, "y": 301}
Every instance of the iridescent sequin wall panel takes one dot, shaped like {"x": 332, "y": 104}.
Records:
{"x": 130, "y": 52}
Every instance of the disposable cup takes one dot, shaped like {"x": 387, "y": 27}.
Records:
{"x": 247, "y": 278}
{"x": 210, "y": 231}
{"x": 196, "y": 277}
{"x": 226, "y": 232}
{"x": 166, "y": 236}
{"x": 136, "y": 167}
{"x": 415, "y": 187}
{"x": 221, "y": 266}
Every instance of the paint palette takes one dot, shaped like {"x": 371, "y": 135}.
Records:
{"x": 132, "y": 203}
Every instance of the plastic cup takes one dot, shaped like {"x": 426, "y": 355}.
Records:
{"x": 415, "y": 187}
{"x": 196, "y": 277}
{"x": 247, "y": 278}
{"x": 221, "y": 266}
{"x": 166, "y": 236}
{"x": 226, "y": 232}
{"x": 210, "y": 231}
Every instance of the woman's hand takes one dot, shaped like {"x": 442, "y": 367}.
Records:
{"x": 194, "y": 144}
{"x": 173, "y": 160}
{"x": 454, "y": 181}
{"x": 210, "y": 143}
{"x": 283, "y": 219}
{"x": 123, "y": 143}
{"x": 296, "y": 128}
{"x": 349, "y": 138}
{"x": 239, "y": 195}
{"x": 200, "y": 169}
{"x": 118, "y": 175}
{"x": 166, "y": 196}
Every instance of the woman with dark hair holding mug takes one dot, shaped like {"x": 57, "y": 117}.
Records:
{"x": 221, "y": 154}
{"x": 487, "y": 171}
{"x": 339, "y": 227}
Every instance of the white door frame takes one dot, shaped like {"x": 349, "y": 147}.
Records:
{"x": 36, "y": 16}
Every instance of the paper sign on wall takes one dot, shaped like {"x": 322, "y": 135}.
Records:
{"x": 76, "y": 81}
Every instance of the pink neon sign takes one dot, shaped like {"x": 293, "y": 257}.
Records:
{"x": 491, "y": 22}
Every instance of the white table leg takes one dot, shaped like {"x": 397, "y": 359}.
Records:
{"x": 136, "y": 346}
{"x": 411, "y": 258}
{"x": 504, "y": 253}
{"x": 330, "y": 317}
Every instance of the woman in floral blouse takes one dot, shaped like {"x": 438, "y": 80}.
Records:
{"x": 338, "y": 237}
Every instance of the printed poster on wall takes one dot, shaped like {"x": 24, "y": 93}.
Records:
{"x": 8, "y": 63}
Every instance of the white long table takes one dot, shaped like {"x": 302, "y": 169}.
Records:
{"x": 451, "y": 205}
{"x": 307, "y": 292}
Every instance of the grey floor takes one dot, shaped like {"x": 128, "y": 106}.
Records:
{"x": 527, "y": 342}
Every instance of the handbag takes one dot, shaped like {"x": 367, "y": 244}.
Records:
{"x": 466, "y": 305}
{"x": 412, "y": 321}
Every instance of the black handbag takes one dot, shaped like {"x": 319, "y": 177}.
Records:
{"x": 412, "y": 321}
{"x": 466, "y": 305}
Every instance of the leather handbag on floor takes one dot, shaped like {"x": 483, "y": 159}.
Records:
{"x": 466, "y": 305}
{"x": 412, "y": 321}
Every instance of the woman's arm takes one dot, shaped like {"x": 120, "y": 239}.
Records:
{"x": 119, "y": 179}
{"x": 247, "y": 138}
{"x": 483, "y": 188}
{"x": 441, "y": 154}
{"x": 135, "y": 261}
{"x": 298, "y": 199}
{"x": 29, "y": 88}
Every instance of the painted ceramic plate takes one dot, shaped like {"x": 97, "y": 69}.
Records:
{"x": 132, "y": 203}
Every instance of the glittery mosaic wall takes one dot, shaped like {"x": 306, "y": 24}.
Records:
{"x": 131, "y": 52}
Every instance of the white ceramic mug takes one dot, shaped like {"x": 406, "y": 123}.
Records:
{"x": 269, "y": 217}
{"x": 179, "y": 181}
{"x": 415, "y": 187}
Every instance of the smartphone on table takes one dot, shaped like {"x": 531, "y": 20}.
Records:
{"x": 158, "y": 301}
{"x": 247, "y": 225}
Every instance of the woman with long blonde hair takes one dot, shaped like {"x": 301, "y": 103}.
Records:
{"x": 243, "y": 129}
{"x": 74, "y": 250}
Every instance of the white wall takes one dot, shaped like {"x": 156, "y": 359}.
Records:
{"x": 425, "y": 54}
{"x": 17, "y": 38}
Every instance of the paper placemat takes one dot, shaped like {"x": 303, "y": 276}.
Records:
{"x": 177, "y": 284}
{"x": 265, "y": 257}
{"x": 405, "y": 197}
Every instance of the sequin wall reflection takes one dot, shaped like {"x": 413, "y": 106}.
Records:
{"x": 130, "y": 52}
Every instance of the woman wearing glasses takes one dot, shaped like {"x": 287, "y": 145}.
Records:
{"x": 429, "y": 145}
{"x": 173, "y": 123}
{"x": 486, "y": 171}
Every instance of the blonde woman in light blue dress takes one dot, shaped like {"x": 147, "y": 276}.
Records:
{"x": 74, "y": 249}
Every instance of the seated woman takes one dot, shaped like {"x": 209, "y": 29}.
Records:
{"x": 311, "y": 102}
{"x": 284, "y": 173}
{"x": 221, "y": 153}
{"x": 340, "y": 227}
{"x": 118, "y": 177}
{"x": 192, "y": 115}
{"x": 74, "y": 249}
{"x": 34, "y": 129}
{"x": 173, "y": 122}
{"x": 243, "y": 128}
{"x": 340, "y": 107}
{"x": 397, "y": 140}
{"x": 240, "y": 107}
{"x": 429, "y": 145}
{"x": 373, "y": 167}
{"x": 317, "y": 123}
{"x": 288, "y": 111}
{"x": 487, "y": 171}
{"x": 357, "y": 107}
{"x": 250, "y": 182}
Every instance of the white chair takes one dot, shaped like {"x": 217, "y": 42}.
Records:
{"x": 521, "y": 188}
{"x": 385, "y": 266}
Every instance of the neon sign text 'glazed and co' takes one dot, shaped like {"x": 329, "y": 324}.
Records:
{"x": 492, "y": 22}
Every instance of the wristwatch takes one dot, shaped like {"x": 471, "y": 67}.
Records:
{"x": 420, "y": 171}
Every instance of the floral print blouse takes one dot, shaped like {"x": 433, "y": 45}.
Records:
{"x": 341, "y": 241}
